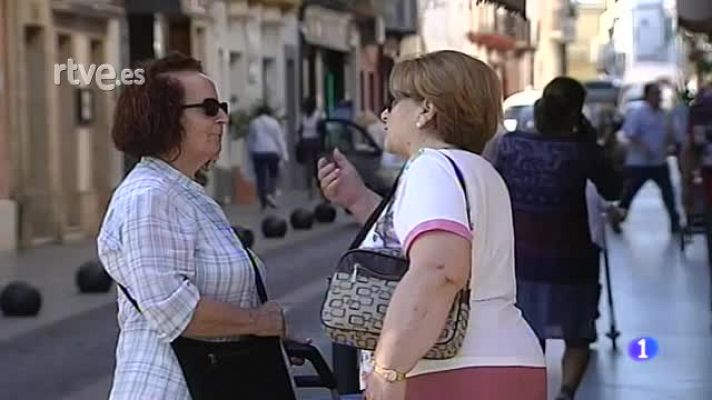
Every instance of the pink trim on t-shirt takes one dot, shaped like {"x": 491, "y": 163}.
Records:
{"x": 436, "y": 225}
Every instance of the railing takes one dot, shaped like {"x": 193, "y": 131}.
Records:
{"x": 507, "y": 25}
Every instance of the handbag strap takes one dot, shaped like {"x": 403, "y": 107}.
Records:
{"x": 259, "y": 283}
{"x": 373, "y": 218}
{"x": 461, "y": 179}
{"x": 387, "y": 202}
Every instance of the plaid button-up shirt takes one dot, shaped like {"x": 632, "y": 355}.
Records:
{"x": 169, "y": 244}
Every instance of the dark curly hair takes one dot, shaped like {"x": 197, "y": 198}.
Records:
{"x": 147, "y": 116}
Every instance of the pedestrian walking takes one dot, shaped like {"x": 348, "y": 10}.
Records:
{"x": 557, "y": 263}
{"x": 651, "y": 134}
{"x": 309, "y": 142}
{"x": 268, "y": 149}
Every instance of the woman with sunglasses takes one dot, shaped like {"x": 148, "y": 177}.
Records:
{"x": 450, "y": 216}
{"x": 183, "y": 273}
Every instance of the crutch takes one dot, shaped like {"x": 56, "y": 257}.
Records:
{"x": 613, "y": 331}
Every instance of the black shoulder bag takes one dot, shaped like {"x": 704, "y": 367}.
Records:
{"x": 249, "y": 369}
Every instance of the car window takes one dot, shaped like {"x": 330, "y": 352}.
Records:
{"x": 519, "y": 118}
{"x": 347, "y": 138}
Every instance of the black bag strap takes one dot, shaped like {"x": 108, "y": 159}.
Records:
{"x": 373, "y": 218}
{"x": 259, "y": 283}
{"x": 376, "y": 214}
{"x": 461, "y": 179}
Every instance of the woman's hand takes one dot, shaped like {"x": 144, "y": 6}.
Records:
{"x": 378, "y": 388}
{"x": 340, "y": 181}
{"x": 269, "y": 320}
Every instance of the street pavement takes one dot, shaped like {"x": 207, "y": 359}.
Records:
{"x": 659, "y": 293}
{"x": 73, "y": 358}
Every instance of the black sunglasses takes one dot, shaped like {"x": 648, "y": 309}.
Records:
{"x": 211, "y": 107}
{"x": 388, "y": 105}
{"x": 392, "y": 101}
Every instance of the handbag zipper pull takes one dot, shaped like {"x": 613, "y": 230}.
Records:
{"x": 353, "y": 274}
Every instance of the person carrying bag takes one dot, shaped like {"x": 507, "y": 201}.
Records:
{"x": 253, "y": 367}
{"x": 431, "y": 287}
{"x": 167, "y": 241}
{"x": 353, "y": 315}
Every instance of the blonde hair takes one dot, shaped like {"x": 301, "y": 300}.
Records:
{"x": 465, "y": 92}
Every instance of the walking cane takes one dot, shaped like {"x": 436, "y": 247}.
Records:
{"x": 613, "y": 332}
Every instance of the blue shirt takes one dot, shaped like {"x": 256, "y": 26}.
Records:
{"x": 650, "y": 127}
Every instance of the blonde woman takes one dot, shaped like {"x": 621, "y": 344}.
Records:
{"x": 446, "y": 107}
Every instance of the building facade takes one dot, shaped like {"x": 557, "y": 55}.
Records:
{"x": 8, "y": 206}
{"x": 62, "y": 165}
{"x": 485, "y": 30}
{"x": 643, "y": 43}
{"x": 254, "y": 57}
{"x": 330, "y": 56}
{"x": 249, "y": 48}
{"x": 555, "y": 31}
{"x": 402, "y": 27}
{"x": 583, "y": 52}
{"x": 58, "y": 165}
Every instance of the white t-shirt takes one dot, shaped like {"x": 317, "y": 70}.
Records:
{"x": 429, "y": 197}
{"x": 310, "y": 125}
{"x": 265, "y": 135}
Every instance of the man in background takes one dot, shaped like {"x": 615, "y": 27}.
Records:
{"x": 650, "y": 136}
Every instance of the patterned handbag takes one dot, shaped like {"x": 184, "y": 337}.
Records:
{"x": 360, "y": 290}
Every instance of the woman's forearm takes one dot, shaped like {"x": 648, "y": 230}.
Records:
{"x": 415, "y": 318}
{"x": 365, "y": 205}
{"x": 218, "y": 319}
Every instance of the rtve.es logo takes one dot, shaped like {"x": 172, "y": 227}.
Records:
{"x": 104, "y": 75}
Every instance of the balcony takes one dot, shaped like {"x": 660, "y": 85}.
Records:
{"x": 402, "y": 17}
{"x": 504, "y": 32}
{"x": 516, "y": 6}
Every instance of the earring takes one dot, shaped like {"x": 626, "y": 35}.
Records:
{"x": 419, "y": 124}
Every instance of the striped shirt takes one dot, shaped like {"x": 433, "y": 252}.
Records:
{"x": 169, "y": 244}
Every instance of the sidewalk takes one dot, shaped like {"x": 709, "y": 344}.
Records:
{"x": 52, "y": 268}
{"x": 661, "y": 293}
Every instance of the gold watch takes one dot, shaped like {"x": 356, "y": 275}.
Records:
{"x": 390, "y": 375}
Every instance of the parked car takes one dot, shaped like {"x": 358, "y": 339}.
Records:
{"x": 518, "y": 110}
{"x": 378, "y": 168}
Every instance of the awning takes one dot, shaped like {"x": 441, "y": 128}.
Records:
{"x": 695, "y": 15}
{"x": 516, "y": 6}
{"x": 696, "y": 26}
